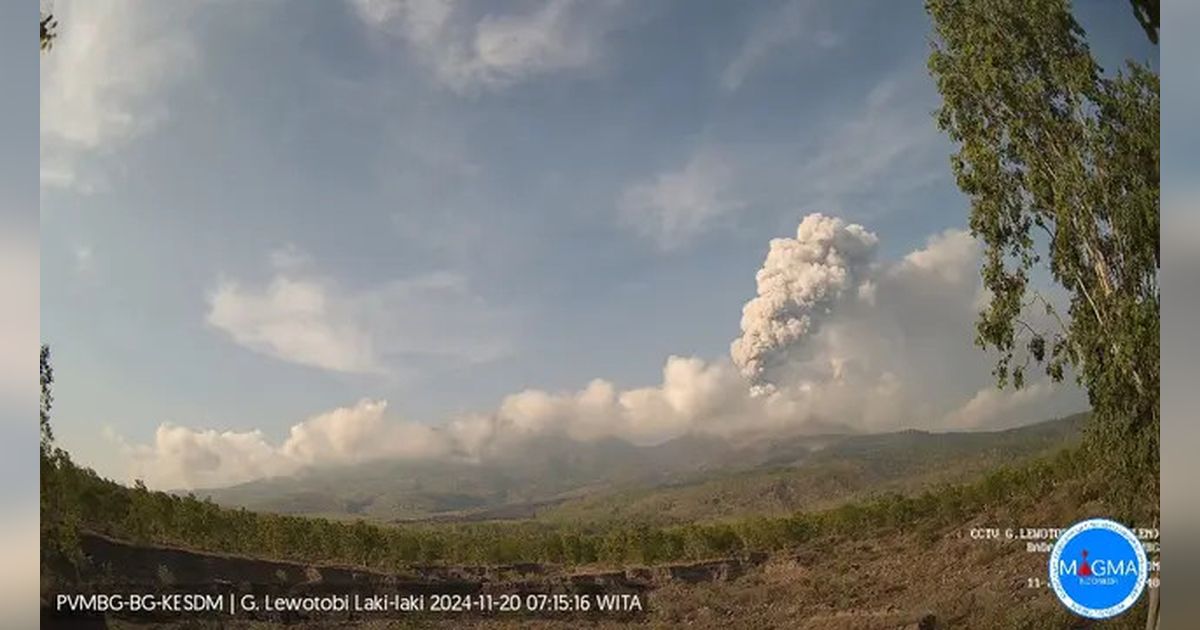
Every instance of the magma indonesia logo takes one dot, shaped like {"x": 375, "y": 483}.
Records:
{"x": 1098, "y": 568}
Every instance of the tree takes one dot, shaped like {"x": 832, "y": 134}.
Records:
{"x": 46, "y": 373}
{"x": 1061, "y": 166}
{"x": 59, "y": 518}
{"x": 1146, "y": 12}
{"x": 49, "y": 30}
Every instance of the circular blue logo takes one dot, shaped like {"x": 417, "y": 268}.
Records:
{"x": 1098, "y": 568}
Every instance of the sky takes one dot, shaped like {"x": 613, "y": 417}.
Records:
{"x": 279, "y": 235}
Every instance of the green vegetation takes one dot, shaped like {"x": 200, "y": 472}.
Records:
{"x": 76, "y": 499}
{"x": 59, "y": 528}
{"x": 1061, "y": 164}
{"x": 145, "y": 516}
{"x": 49, "y": 31}
{"x": 1147, "y": 12}
{"x": 849, "y": 469}
{"x": 1045, "y": 141}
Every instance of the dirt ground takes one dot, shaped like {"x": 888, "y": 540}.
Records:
{"x": 925, "y": 578}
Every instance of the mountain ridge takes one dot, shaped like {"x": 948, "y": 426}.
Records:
{"x": 558, "y": 471}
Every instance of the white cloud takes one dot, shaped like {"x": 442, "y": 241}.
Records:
{"x": 694, "y": 395}
{"x": 468, "y": 47}
{"x": 950, "y": 255}
{"x": 309, "y": 320}
{"x": 832, "y": 338}
{"x": 102, "y": 84}
{"x": 185, "y": 458}
{"x": 677, "y": 206}
{"x": 293, "y": 320}
{"x": 360, "y": 433}
{"x": 794, "y": 22}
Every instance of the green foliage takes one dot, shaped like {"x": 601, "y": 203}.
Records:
{"x": 49, "y": 30}
{"x": 1061, "y": 165}
{"x": 46, "y": 372}
{"x": 1146, "y": 12}
{"x": 76, "y": 499}
{"x": 60, "y": 516}
{"x": 145, "y": 516}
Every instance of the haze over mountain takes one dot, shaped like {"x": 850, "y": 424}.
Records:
{"x": 557, "y": 477}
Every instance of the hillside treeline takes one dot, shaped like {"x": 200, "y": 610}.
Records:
{"x": 77, "y": 499}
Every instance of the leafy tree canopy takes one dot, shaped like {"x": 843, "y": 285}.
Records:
{"x": 1061, "y": 165}
{"x": 49, "y": 30}
{"x": 1146, "y": 12}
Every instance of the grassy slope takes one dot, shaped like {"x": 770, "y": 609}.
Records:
{"x": 882, "y": 564}
{"x": 892, "y": 577}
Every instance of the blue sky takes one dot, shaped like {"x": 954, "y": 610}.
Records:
{"x": 252, "y": 214}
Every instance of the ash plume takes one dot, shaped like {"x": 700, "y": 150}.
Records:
{"x": 800, "y": 286}
{"x": 830, "y": 338}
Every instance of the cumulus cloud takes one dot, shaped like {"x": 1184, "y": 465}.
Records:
{"x": 949, "y": 256}
{"x": 832, "y": 337}
{"x": 293, "y": 320}
{"x": 103, "y": 85}
{"x": 694, "y": 394}
{"x": 359, "y": 433}
{"x": 181, "y": 457}
{"x": 468, "y": 47}
{"x": 290, "y": 320}
{"x": 303, "y": 318}
{"x": 677, "y": 206}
